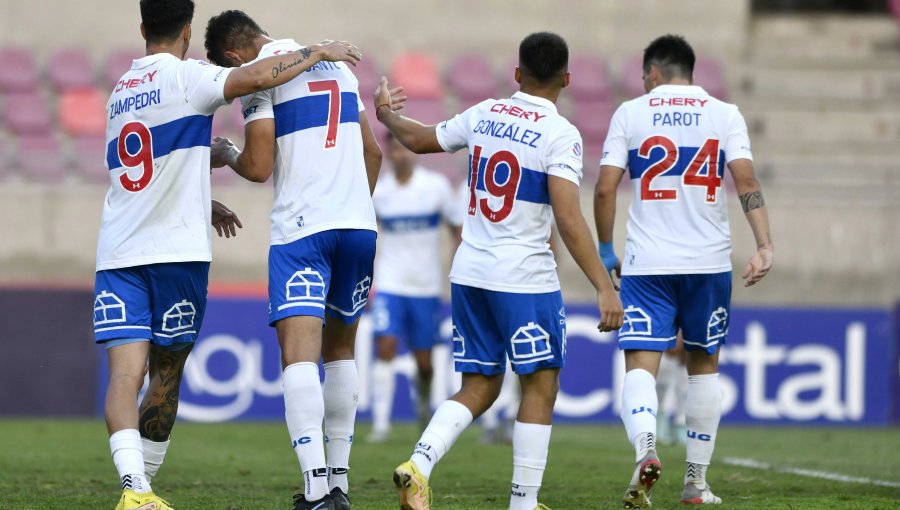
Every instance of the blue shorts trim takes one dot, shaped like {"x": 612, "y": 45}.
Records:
{"x": 657, "y": 306}
{"x": 162, "y": 303}
{"x": 414, "y": 319}
{"x": 326, "y": 273}
{"x": 489, "y": 326}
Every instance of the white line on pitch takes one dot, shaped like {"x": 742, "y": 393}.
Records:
{"x": 812, "y": 473}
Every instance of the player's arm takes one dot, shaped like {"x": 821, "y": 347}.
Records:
{"x": 256, "y": 162}
{"x": 605, "y": 192}
{"x": 274, "y": 71}
{"x": 371, "y": 152}
{"x": 750, "y": 193}
{"x": 574, "y": 231}
{"x": 415, "y": 136}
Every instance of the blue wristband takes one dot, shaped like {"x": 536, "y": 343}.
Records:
{"x": 608, "y": 256}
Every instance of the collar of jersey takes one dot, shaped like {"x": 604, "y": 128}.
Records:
{"x": 540, "y": 101}
{"x": 140, "y": 63}
{"x": 679, "y": 89}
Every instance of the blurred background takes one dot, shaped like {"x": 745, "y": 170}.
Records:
{"x": 818, "y": 82}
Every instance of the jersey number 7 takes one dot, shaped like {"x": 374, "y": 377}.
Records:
{"x": 707, "y": 156}
{"x": 334, "y": 108}
{"x": 506, "y": 191}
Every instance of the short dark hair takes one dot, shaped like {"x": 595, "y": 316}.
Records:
{"x": 229, "y": 30}
{"x": 543, "y": 56}
{"x": 164, "y": 19}
{"x": 672, "y": 54}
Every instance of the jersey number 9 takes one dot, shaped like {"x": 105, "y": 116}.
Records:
{"x": 507, "y": 190}
{"x": 142, "y": 157}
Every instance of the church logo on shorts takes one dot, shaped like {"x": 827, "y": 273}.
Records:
{"x": 361, "y": 293}
{"x": 718, "y": 325}
{"x": 459, "y": 343}
{"x": 108, "y": 309}
{"x": 636, "y": 322}
{"x": 530, "y": 341}
{"x": 180, "y": 317}
{"x": 305, "y": 285}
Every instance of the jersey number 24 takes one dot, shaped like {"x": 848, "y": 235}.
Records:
{"x": 707, "y": 156}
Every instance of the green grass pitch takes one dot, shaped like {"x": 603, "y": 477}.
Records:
{"x": 59, "y": 464}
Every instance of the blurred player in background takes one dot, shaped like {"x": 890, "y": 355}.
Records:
{"x": 411, "y": 203}
{"x": 154, "y": 249}
{"x": 675, "y": 141}
{"x": 506, "y": 300}
{"x": 313, "y": 135}
{"x": 671, "y": 390}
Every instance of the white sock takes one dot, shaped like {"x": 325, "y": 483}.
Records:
{"x": 449, "y": 421}
{"x": 304, "y": 410}
{"x": 680, "y": 400}
{"x": 639, "y": 404}
{"x": 665, "y": 381}
{"x": 383, "y": 385}
{"x": 341, "y": 393}
{"x": 128, "y": 456}
{"x": 703, "y": 410}
{"x": 531, "y": 443}
{"x": 154, "y": 454}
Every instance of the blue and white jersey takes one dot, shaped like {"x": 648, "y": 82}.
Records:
{"x": 675, "y": 143}
{"x": 514, "y": 146}
{"x": 320, "y": 174}
{"x": 158, "y": 134}
{"x": 410, "y": 217}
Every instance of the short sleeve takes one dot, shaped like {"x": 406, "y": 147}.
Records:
{"x": 453, "y": 134}
{"x": 204, "y": 85}
{"x": 257, "y": 106}
{"x": 563, "y": 155}
{"x": 737, "y": 145}
{"x": 615, "y": 148}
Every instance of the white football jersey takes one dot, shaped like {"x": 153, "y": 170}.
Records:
{"x": 514, "y": 144}
{"x": 410, "y": 216}
{"x": 320, "y": 173}
{"x": 159, "y": 120}
{"x": 674, "y": 143}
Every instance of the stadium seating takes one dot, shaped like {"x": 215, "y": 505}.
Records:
{"x": 41, "y": 159}
{"x": 418, "y": 74}
{"x": 369, "y": 75}
{"x": 630, "y": 83}
{"x": 471, "y": 77}
{"x": 82, "y": 112}
{"x": 27, "y": 113}
{"x": 589, "y": 79}
{"x": 708, "y": 74}
{"x": 117, "y": 63}
{"x": 71, "y": 69}
{"x": 592, "y": 117}
{"x": 18, "y": 72}
{"x": 88, "y": 153}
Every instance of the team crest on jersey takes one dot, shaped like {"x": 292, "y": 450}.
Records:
{"x": 305, "y": 285}
{"x": 530, "y": 341}
{"x": 718, "y": 324}
{"x": 108, "y": 309}
{"x": 180, "y": 317}
{"x": 299, "y": 221}
{"x": 576, "y": 149}
{"x": 636, "y": 322}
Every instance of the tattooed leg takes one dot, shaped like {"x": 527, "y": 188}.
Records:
{"x": 157, "y": 411}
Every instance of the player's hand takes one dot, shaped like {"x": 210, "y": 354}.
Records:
{"x": 759, "y": 266}
{"x": 611, "y": 263}
{"x": 611, "y": 312}
{"x": 339, "y": 51}
{"x": 224, "y": 220}
{"x": 393, "y": 97}
{"x": 222, "y": 152}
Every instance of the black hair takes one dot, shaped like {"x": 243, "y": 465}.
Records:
{"x": 165, "y": 19}
{"x": 543, "y": 56}
{"x": 672, "y": 54}
{"x": 229, "y": 30}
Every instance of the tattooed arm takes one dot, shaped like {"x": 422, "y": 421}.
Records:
{"x": 754, "y": 205}
{"x": 274, "y": 71}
